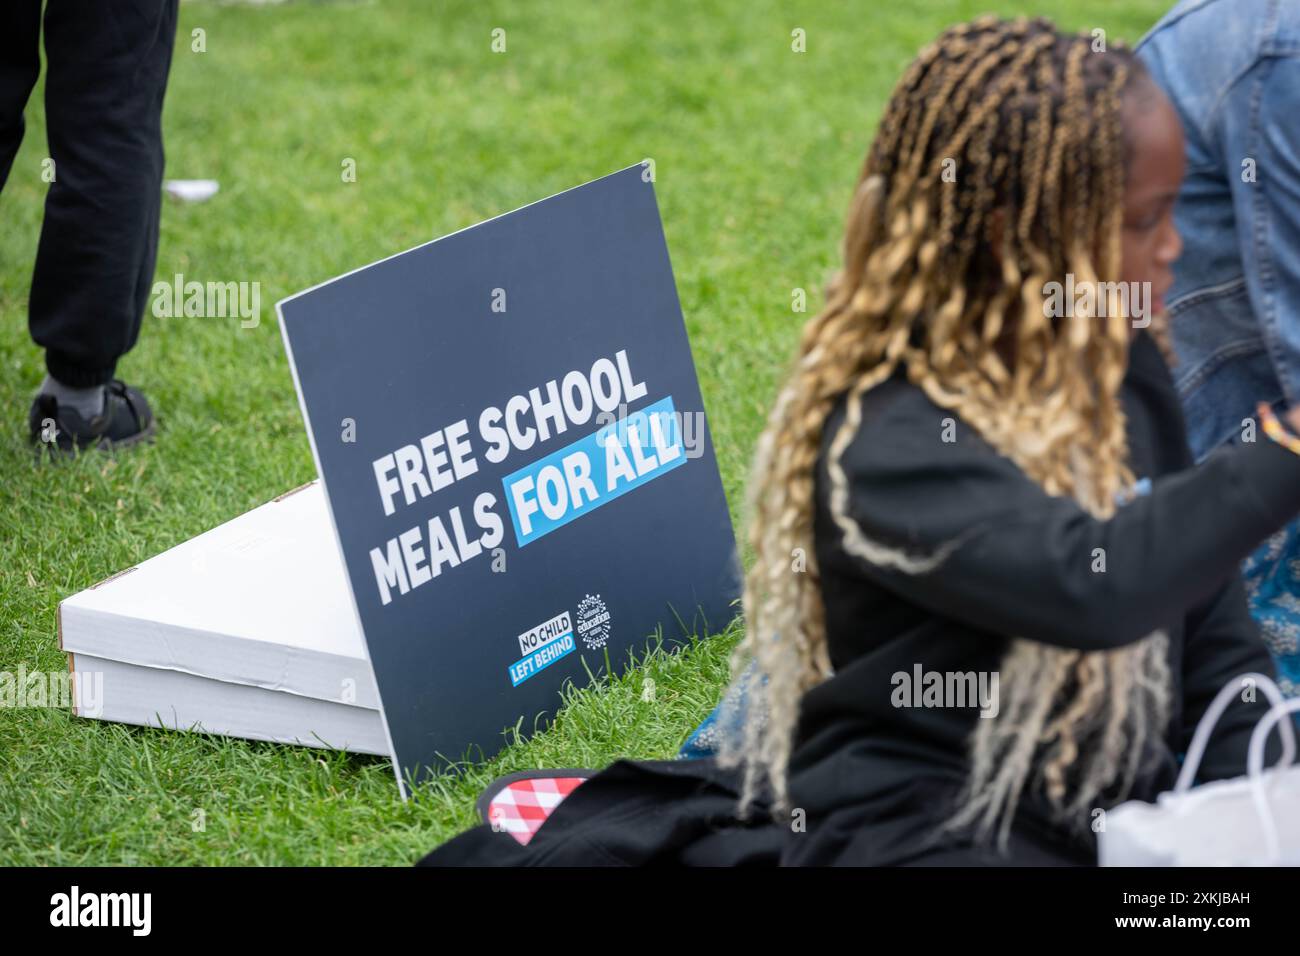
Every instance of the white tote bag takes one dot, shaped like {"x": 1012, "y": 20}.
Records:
{"x": 1247, "y": 821}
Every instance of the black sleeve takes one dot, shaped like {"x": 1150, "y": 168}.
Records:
{"x": 1024, "y": 564}
{"x": 1222, "y": 643}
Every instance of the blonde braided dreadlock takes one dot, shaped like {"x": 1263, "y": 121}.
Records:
{"x": 944, "y": 276}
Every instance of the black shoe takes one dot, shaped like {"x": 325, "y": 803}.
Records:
{"x": 125, "y": 420}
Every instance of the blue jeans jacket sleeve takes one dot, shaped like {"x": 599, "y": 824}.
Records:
{"x": 1232, "y": 70}
{"x": 1261, "y": 133}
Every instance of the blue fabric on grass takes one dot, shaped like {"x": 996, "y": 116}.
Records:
{"x": 725, "y": 722}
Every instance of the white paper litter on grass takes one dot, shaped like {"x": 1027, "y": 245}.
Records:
{"x": 191, "y": 190}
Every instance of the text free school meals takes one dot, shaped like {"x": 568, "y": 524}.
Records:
{"x": 445, "y": 456}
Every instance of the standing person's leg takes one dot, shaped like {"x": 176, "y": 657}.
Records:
{"x": 20, "y": 64}
{"x": 106, "y": 73}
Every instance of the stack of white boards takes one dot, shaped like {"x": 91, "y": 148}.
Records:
{"x": 247, "y": 630}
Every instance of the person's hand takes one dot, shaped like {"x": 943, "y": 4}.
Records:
{"x": 1292, "y": 420}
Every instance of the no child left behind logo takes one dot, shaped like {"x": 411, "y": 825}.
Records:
{"x": 544, "y": 644}
{"x": 593, "y": 622}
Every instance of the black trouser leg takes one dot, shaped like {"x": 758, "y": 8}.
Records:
{"x": 106, "y": 72}
{"x": 20, "y": 63}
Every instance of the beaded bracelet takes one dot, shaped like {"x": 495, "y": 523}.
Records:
{"x": 1275, "y": 430}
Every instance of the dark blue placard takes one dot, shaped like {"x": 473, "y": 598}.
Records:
{"x": 595, "y": 536}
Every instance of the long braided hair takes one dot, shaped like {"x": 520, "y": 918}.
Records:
{"x": 998, "y": 167}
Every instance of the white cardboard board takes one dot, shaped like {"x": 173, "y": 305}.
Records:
{"x": 172, "y": 700}
{"x": 259, "y": 603}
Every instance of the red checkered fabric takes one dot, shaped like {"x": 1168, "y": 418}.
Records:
{"x": 523, "y": 806}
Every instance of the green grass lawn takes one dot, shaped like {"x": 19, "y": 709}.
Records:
{"x": 756, "y": 149}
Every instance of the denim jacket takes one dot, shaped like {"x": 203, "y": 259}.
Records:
{"x": 1232, "y": 70}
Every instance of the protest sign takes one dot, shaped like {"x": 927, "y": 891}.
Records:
{"x": 518, "y": 467}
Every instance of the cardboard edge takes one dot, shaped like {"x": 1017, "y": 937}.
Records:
{"x": 294, "y": 491}
{"x": 72, "y": 675}
{"x": 72, "y": 665}
{"x": 111, "y": 577}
